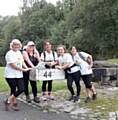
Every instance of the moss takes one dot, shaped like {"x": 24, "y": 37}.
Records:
{"x": 103, "y": 105}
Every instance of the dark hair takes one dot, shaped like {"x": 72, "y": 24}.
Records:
{"x": 46, "y": 41}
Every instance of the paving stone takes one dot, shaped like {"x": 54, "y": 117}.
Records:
{"x": 112, "y": 114}
{"x": 68, "y": 109}
{"x": 79, "y": 110}
{"x": 74, "y": 117}
{"x": 113, "y": 118}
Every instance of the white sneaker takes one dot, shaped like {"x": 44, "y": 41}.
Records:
{"x": 43, "y": 98}
{"x": 51, "y": 97}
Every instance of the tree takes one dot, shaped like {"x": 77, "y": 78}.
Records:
{"x": 98, "y": 23}
{"x": 11, "y": 31}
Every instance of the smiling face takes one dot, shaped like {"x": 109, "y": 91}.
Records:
{"x": 30, "y": 48}
{"x": 48, "y": 46}
{"x": 73, "y": 51}
{"x": 16, "y": 46}
{"x": 60, "y": 50}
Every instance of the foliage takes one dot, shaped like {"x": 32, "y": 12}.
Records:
{"x": 90, "y": 25}
{"x": 98, "y": 22}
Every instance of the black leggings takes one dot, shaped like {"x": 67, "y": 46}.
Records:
{"x": 49, "y": 86}
{"x": 16, "y": 86}
{"x": 32, "y": 83}
{"x": 74, "y": 77}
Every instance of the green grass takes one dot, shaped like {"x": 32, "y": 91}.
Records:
{"x": 104, "y": 105}
{"x": 57, "y": 85}
{"x": 115, "y": 60}
{"x": 3, "y": 84}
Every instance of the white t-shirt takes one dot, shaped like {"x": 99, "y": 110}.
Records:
{"x": 49, "y": 56}
{"x": 67, "y": 58}
{"x": 13, "y": 57}
{"x": 85, "y": 55}
{"x": 85, "y": 68}
{"x": 77, "y": 60}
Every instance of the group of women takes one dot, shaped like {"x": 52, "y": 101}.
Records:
{"x": 19, "y": 64}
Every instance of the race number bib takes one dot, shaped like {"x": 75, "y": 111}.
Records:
{"x": 47, "y": 74}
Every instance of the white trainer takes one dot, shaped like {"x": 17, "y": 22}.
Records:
{"x": 44, "y": 98}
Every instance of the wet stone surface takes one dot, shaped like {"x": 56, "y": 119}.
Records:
{"x": 104, "y": 108}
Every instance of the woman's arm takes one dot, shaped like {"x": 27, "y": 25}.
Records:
{"x": 26, "y": 58}
{"x": 90, "y": 60}
{"x": 64, "y": 66}
{"x": 13, "y": 65}
{"x": 37, "y": 55}
{"x": 24, "y": 65}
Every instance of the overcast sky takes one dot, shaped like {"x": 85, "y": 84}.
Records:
{"x": 11, "y": 7}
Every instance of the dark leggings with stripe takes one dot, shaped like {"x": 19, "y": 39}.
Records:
{"x": 16, "y": 86}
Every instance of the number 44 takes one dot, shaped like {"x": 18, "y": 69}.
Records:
{"x": 47, "y": 74}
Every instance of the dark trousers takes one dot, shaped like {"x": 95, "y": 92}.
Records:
{"x": 76, "y": 78}
{"x": 32, "y": 83}
{"x": 16, "y": 86}
{"x": 49, "y": 86}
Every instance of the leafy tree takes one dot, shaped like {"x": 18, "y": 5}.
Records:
{"x": 11, "y": 31}
{"x": 97, "y": 20}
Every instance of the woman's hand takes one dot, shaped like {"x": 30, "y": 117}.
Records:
{"x": 26, "y": 69}
{"x": 58, "y": 67}
{"x": 77, "y": 62}
{"x": 52, "y": 63}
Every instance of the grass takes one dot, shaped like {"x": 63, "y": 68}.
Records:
{"x": 57, "y": 85}
{"x": 104, "y": 106}
{"x": 115, "y": 60}
{"x": 3, "y": 84}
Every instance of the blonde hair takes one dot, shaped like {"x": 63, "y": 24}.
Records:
{"x": 15, "y": 41}
{"x": 63, "y": 46}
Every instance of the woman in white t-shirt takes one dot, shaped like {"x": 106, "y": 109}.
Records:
{"x": 14, "y": 73}
{"x": 72, "y": 72}
{"x": 85, "y": 62}
{"x": 50, "y": 59}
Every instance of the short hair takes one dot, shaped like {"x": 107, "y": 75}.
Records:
{"x": 46, "y": 41}
{"x": 15, "y": 41}
{"x": 63, "y": 46}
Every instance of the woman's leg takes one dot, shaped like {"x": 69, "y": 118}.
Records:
{"x": 88, "y": 85}
{"x": 76, "y": 77}
{"x": 34, "y": 88}
{"x": 12, "y": 84}
{"x": 20, "y": 86}
{"x": 34, "y": 91}
{"x": 26, "y": 83}
{"x": 69, "y": 84}
{"x": 49, "y": 87}
{"x": 44, "y": 87}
